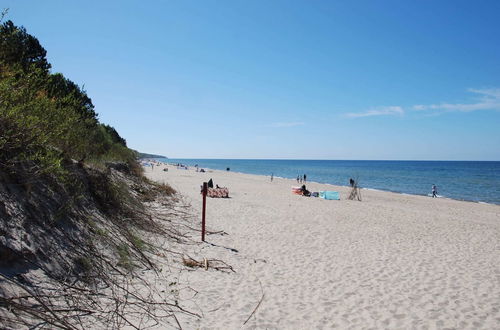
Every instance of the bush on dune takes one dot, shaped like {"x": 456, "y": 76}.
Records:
{"x": 47, "y": 111}
{"x": 82, "y": 218}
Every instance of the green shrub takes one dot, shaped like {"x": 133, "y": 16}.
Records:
{"x": 46, "y": 118}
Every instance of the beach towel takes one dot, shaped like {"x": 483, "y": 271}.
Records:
{"x": 218, "y": 192}
{"x": 330, "y": 195}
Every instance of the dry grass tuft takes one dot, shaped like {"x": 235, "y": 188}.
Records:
{"x": 166, "y": 189}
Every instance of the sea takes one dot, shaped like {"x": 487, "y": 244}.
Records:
{"x": 477, "y": 181}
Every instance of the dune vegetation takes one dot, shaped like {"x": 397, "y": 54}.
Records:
{"x": 77, "y": 217}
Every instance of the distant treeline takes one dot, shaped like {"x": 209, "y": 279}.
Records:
{"x": 144, "y": 155}
{"x": 45, "y": 118}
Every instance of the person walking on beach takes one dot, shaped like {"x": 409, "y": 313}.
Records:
{"x": 304, "y": 178}
{"x": 434, "y": 191}
{"x": 272, "y": 177}
{"x": 297, "y": 179}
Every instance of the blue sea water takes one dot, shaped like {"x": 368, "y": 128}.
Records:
{"x": 463, "y": 180}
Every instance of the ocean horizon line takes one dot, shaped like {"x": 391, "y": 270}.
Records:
{"x": 313, "y": 159}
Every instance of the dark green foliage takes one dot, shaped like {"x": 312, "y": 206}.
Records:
{"x": 115, "y": 137}
{"x": 18, "y": 47}
{"x": 145, "y": 155}
{"x": 73, "y": 214}
{"x": 46, "y": 119}
{"x": 67, "y": 94}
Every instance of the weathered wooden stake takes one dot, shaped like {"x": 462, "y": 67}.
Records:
{"x": 204, "y": 193}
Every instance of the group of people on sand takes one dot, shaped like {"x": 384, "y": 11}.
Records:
{"x": 301, "y": 178}
{"x": 151, "y": 163}
{"x": 199, "y": 169}
{"x": 215, "y": 192}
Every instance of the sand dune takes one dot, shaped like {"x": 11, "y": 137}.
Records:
{"x": 391, "y": 261}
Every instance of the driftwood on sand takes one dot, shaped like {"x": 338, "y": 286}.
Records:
{"x": 207, "y": 263}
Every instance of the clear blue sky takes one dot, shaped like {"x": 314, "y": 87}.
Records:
{"x": 283, "y": 79}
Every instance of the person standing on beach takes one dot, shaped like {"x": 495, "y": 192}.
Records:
{"x": 297, "y": 179}
{"x": 304, "y": 178}
{"x": 272, "y": 177}
{"x": 434, "y": 191}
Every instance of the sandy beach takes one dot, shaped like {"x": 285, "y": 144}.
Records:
{"x": 391, "y": 261}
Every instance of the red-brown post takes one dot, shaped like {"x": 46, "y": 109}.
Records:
{"x": 204, "y": 193}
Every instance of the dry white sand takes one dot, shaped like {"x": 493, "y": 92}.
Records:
{"x": 391, "y": 261}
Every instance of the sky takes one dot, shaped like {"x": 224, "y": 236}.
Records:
{"x": 270, "y": 79}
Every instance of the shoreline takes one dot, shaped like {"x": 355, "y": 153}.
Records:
{"x": 389, "y": 261}
{"x": 346, "y": 186}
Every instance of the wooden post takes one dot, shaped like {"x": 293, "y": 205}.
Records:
{"x": 204, "y": 193}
